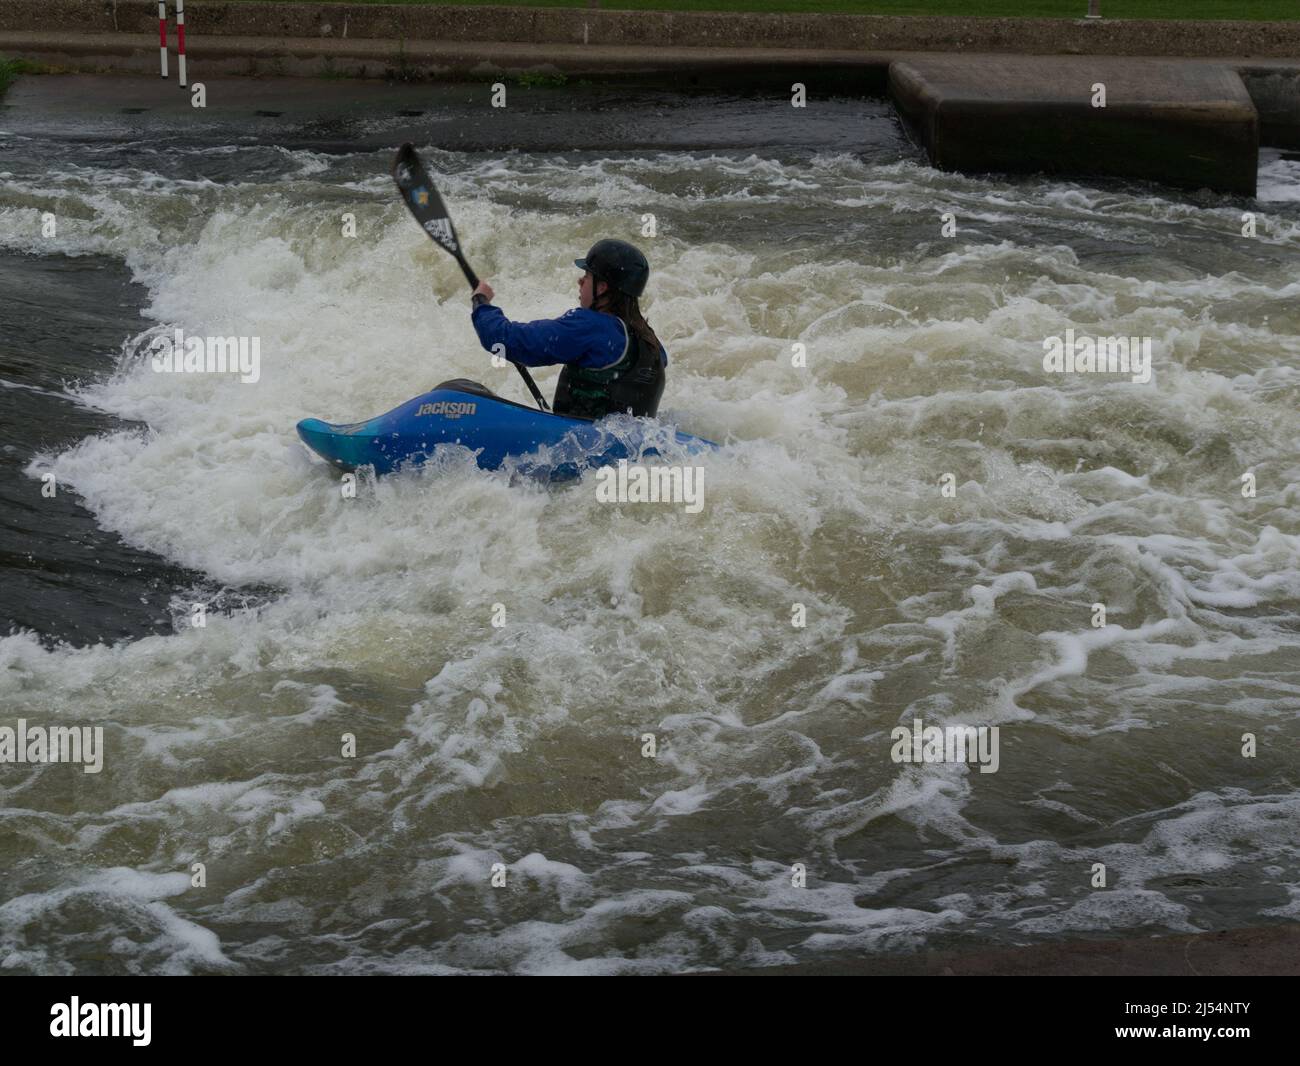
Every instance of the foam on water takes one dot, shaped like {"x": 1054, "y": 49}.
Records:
{"x": 523, "y": 745}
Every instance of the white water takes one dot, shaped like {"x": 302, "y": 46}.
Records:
{"x": 522, "y": 745}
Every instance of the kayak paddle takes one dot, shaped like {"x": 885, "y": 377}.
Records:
{"x": 430, "y": 212}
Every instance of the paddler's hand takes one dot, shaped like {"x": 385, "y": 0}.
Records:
{"x": 484, "y": 290}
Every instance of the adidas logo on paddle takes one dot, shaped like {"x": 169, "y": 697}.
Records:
{"x": 440, "y": 230}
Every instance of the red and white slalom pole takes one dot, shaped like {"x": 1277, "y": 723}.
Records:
{"x": 180, "y": 39}
{"x": 162, "y": 35}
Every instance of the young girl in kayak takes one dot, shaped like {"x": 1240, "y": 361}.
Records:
{"x": 613, "y": 362}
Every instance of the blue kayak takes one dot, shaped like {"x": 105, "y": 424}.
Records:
{"x": 466, "y": 413}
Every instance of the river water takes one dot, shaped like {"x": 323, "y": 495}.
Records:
{"x": 523, "y": 745}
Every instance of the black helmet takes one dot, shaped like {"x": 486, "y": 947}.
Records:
{"x": 618, "y": 264}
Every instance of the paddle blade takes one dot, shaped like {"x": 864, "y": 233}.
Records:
{"x": 419, "y": 194}
{"x": 417, "y": 190}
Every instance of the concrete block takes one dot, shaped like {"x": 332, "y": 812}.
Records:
{"x": 1187, "y": 124}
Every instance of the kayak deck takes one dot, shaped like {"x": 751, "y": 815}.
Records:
{"x": 497, "y": 430}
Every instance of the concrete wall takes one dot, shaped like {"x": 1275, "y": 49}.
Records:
{"x": 651, "y": 28}
{"x": 1276, "y": 95}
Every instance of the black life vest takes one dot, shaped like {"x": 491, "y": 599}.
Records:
{"x": 634, "y": 383}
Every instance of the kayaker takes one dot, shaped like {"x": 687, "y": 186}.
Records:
{"x": 613, "y": 362}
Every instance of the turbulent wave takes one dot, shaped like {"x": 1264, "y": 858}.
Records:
{"x": 523, "y": 745}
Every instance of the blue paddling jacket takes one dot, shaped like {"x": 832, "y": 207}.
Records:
{"x": 607, "y": 367}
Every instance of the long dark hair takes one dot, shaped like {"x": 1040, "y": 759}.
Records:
{"x": 627, "y": 308}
